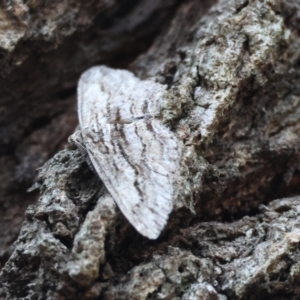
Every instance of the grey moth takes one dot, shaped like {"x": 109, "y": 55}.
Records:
{"x": 133, "y": 152}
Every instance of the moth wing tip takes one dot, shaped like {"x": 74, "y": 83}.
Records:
{"x": 151, "y": 235}
{"x": 152, "y": 230}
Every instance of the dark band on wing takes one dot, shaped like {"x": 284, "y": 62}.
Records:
{"x": 149, "y": 126}
{"x": 145, "y": 106}
{"x": 136, "y": 184}
{"x": 144, "y": 145}
{"x": 118, "y": 115}
{"x": 108, "y": 109}
{"x": 131, "y": 109}
{"x": 122, "y": 134}
{"x": 122, "y": 151}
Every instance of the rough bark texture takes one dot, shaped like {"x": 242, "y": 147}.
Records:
{"x": 45, "y": 46}
{"x": 233, "y": 72}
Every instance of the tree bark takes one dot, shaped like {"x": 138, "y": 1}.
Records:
{"x": 233, "y": 76}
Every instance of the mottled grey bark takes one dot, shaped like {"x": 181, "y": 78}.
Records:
{"x": 233, "y": 73}
{"x": 44, "y": 47}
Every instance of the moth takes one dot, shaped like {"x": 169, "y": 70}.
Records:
{"x": 135, "y": 155}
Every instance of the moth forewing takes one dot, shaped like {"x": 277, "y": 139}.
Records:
{"x": 133, "y": 152}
